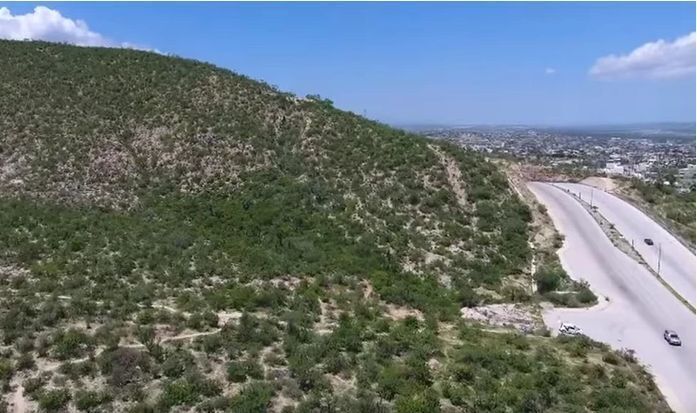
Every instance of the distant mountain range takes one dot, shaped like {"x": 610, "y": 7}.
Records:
{"x": 647, "y": 130}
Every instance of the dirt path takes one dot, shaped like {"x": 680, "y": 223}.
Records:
{"x": 188, "y": 336}
{"x": 100, "y": 350}
{"x": 18, "y": 402}
{"x": 453, "y": 174}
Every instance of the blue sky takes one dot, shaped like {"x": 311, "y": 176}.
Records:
{"x": 414, "y": 63}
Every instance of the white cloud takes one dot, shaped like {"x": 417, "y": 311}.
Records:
{"x": 653, "y": 60}
{"x": 49, "y": 25}
{"x": 550, "y": 71}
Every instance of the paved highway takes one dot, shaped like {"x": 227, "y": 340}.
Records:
{"x": 638, "y": 308}
{"x": 677, "y": 262}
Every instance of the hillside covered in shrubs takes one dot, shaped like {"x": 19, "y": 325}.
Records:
{"x": 176, "y": 236}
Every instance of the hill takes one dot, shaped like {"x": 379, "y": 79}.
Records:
{"x": 176, "y": 235}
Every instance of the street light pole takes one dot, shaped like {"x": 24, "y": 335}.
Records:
{"x": 659, "y": 258}
{"x": 591, "y": 197}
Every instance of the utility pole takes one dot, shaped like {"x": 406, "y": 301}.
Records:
{"x": 591, "y": 197}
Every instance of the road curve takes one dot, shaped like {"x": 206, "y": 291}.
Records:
{"x": 638, "y": 308}
{"x": 677, "y": 262}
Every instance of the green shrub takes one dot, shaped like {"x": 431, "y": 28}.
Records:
{"x": 179, "y": 392}
{"x": 586, "y": 296}
{"x": 548, "y": 279}
{"x": 238, "y": 371}
{"x": 32, "y": 386}
{"x": 54, "y": 400}
{"x": 612, "y": 358}
{"x": 71, "y": 344}
{"x": 422, "y": 402}
{"x": 176, "y": 363}
{"x": 254, "y": 398}
{"x": 463, "y": 373}
{"x": 6, "y": 370}
{"x": 563, "y": 299}
{"x": 76, "y": 371}
{"x": 390, "y": 381}
{"x": 210, "y": 344}
{"x": 124, "y": 366}
{"x": 615, "y": 399}
{"x": 188, "y": 390}
{"x": 26, "y": 362}
{"x": 216, "y": 404}
{"x": 87, "y": 399}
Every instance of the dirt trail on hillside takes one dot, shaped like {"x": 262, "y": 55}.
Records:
{"x": 453, "y": 174}
{"x": 19, "y": 404}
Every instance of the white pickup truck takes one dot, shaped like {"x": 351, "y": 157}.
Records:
{"x": 569, "y": 329}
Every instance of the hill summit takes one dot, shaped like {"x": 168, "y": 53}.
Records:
{"x": 125, "y": 132}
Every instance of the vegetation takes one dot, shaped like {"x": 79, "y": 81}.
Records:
{"x": 178, "y": 237}
{"x": 673, "y": 207}
{"x": 550, "y": 279}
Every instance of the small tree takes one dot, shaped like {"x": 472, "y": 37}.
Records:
{"x": 54, "y": 400}
{"x": 547, "y": 279}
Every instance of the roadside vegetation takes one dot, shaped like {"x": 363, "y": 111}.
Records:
{"x": 551, "y": 282}
{"x": 672, "y": 207}
{"x": 177, "y": 237}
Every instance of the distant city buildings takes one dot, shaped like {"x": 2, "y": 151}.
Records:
{"x": 614, "y": 168}
{"x": 628, "y": 156}
{"x": 687, "y": 177}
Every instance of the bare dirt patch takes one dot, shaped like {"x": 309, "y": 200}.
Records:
{"x": 515, "y": 316}
{"x": 600, "y": 182}
{"x": 327, "y": 319}
{"x": 225, "y": 317}
{"x": 396, "y": 312}
{"x": 341, "y": 384}
{"x": 18, "y": 403}
{"x": 10, "y": 272}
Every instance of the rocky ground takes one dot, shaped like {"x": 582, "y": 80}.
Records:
{"x": 519, "y": 317}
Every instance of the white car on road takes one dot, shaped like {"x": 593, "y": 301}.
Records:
{"x": 569, "y": 329}
{"x": 672, "y": 338}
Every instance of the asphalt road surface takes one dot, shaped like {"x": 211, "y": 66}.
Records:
{"x": 638, "y": 307}
{"x": 677, "y": 262}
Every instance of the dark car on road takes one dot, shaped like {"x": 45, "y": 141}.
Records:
{"x": 648, "y": 241}
{"x": 672, "y": 338}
